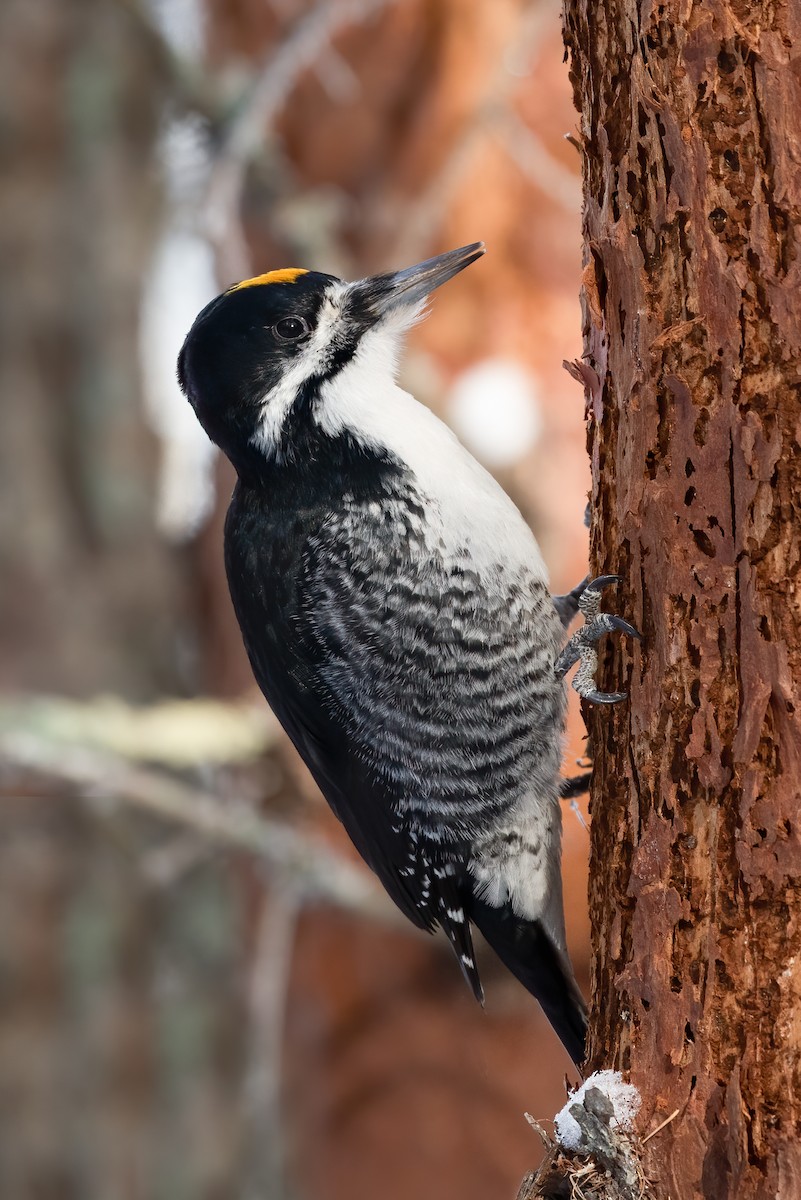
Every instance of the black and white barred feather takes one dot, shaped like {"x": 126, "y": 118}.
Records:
{"x": 395, "y": 609}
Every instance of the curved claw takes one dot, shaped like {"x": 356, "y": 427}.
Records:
{"x": 581, "y": 646}
{"x": 625, "y": 627}
{"x": 596, "y": 697}
{"x": 602, "y": 581}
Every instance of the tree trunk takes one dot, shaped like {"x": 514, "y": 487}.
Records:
{"x": 692, "y": 324}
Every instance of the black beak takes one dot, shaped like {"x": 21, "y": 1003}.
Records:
{"x": 383, "y": 293}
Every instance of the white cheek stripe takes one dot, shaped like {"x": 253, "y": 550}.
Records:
{"x": 376, "y": 355}
{"x": 467, "y": 511}
{"x": 275, "y": 406}
{"x": 277, "y": 403}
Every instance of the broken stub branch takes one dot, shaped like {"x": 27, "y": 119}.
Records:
{"x": 595, "y": 1153}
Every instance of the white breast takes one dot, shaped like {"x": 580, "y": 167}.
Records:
{"x": 466, "y": 507}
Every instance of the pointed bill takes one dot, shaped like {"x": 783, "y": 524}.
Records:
{"x": 411, "y": 286}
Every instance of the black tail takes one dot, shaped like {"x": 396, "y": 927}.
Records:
{"x": 526, "y": 949}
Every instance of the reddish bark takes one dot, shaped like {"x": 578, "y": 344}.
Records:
{"x": 692, "y": 303}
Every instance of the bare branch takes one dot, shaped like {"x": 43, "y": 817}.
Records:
{"x": 192, "y": 88}
{"x": 272, "y": 85}
{"x": 493, "y": 112}
{"x": 316, "y": 870}
{"x": 536, "y": 161}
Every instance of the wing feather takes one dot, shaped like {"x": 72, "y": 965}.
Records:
{"x": 415, "y": 692}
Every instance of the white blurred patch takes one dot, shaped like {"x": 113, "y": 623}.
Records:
{"x": 181, "y": 25}
{"x": 181, "y": 280}
{"x": 185, "y": 162}
{"x": 494, "y": 409}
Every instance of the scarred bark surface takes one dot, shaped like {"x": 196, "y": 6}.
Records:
{"x": 691, "y": 124}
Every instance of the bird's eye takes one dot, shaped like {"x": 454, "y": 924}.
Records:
{"x": 290, "y": 329}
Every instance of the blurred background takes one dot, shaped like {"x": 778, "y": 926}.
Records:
{"x": 202, "y": 994}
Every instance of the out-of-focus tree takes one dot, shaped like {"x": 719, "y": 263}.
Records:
{"x": 91, "y": 597}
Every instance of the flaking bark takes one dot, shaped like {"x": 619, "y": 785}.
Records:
{"x": 692, "y": 324}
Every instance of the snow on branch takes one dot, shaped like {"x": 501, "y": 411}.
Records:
{"x": 620, "y": 1101}
{"x": 596, "y": 1154}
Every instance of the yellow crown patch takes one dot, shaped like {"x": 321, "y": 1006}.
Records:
{"x": 287, "y": 275}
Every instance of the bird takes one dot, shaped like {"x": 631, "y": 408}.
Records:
{"x": 395, "y": 609}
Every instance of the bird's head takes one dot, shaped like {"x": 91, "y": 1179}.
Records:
{"x": 259, "y": 364}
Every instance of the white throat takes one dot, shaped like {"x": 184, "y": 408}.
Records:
{"x": 468, "y": 514}
{"x": 466, "y": 507}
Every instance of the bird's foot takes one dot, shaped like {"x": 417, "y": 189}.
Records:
{"x": 568, "y": 605}
{"x": 581, "y": 646}
{"x": 574, "y": 785}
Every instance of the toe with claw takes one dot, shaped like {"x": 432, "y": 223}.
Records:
{"x": 581, "y": 647}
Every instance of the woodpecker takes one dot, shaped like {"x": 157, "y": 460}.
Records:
{"x": 395, "y": 609}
